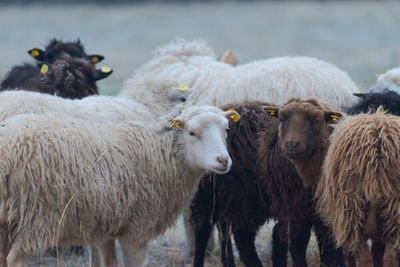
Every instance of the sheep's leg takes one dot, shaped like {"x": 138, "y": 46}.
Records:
{"x": 279, "y": 246}
{"x": 15, "y": 259}
{"x": 94, "y": 257}
{"x": 133, "y": 255}
{"x": 227, "y": 258}
{"x": 202, "y": 234}
{"x": 330, "y": 255}
{"x": 298, "y": 241}
{"x": 245, "y": 243}
{"x": 364, "y": 257}
{"x": 390, "y": 258}
{"x": 378, "y": 252}
{"x": 106, "y": 254}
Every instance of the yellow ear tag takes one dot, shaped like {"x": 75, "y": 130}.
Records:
{"x": 271, "y": 111}
{"x": 44, "y": 69}
{"x": 335, "y": 117}
{"x": 379, "y": 108}
{"x": 34, "y": 53}
{"x": 105, "y": 69}
{"x": 234, "y": 117}
{"x": 379, "y": 73}
{"x": 183, "y": 88}
{"x": 95, "y": 59}
{"x": 175, "y": 123}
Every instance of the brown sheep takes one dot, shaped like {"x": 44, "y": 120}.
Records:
{"x": 262, "y": 184}
{"x": 360, "y": 179}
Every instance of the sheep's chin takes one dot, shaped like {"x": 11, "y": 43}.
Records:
{"x": 219, "y": 170}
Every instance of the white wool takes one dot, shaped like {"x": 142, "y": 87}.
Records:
{"x": 274, "y": 80}
{"x": 390, "y": 80}
{"x": 147, "y": 98}
{"x": 128, "y": 180}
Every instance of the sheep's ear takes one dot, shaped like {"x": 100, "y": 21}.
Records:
{"x": 176, "y": 123}
{"x": 232, "y": 115}
{"x": 228, "y": 57}
{"x": 272, "y": 110}
{"x": 102, "y": 73}
{"x": 95, "y": 58}
{"x": 332, "y": 117}
{"x": 36, "y": 53}
{"x": 360, "y": 95}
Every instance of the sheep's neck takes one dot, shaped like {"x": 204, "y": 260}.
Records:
{"x": 310, "y": 168}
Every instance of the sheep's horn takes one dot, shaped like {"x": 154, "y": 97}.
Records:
{"x": 102, "y": 73}
{"x": 95, "y": 58}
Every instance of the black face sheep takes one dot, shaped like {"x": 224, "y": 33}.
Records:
{"x": 360, "y": 179}
{"x": 64, "y": 70}
{"x": 57, "y": 49}
{"x": 262, "y": 184}
{"x": 68, "y": 78}
{"x": 128, "y": 180}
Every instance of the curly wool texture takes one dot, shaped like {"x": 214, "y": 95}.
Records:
{"x": 274, "y": 80}
{"x": 361, "y": 169}
{"x": 117, "y": 179}
{"x": 145, "y": 98}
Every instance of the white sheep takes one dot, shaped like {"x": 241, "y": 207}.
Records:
{"x": 147, "y": 97}
{"x": 66, "y": 181}
{"x": 274, "y": 80}
{"x": 390, "y": 80}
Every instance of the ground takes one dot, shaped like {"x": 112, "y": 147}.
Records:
{"x": 167, "y": 251}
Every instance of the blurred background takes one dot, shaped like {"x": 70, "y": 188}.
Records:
{"x": 360, "y": 37}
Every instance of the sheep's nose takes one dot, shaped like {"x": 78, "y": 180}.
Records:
{"x": 292, "y": 146}
{"x": 223, "y": 161}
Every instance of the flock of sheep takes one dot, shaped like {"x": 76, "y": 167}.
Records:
{"x": 290, "y": 139}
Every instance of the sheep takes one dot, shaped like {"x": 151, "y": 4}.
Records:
{"x": 67, "y": 56}
{"x": 66, "y": 181}
{"x": 146, "y": 98}
{"x": 384, "y": 94}
{"x": 360, "y": 179}
{"x": 261, "y": 185}
{"x": 57, "y": 49}
{"x": 389, "y": 80}
{"x": 69, "y": 78}
{"x": 273, "y": 80}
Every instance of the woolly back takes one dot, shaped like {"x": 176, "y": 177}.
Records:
{"x": 274, "y": 80}
{"x": 361, "y": 168}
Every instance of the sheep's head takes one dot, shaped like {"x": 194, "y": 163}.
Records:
{"x": 75, "y": 77}
{"x": 178, "y": 92}
{"x": 370, "y": 102}
{"x": 303, "y": 130}
{"x": 57, "y": 50}
{"x": 204, "y": 134}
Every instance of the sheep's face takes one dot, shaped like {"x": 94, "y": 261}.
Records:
{"x": 303, "y": 127}
{"x": 205, "y": 139}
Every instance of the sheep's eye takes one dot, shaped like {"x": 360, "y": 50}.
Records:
{"x": 281, "y": 119}
{"x": 192, "y": 133}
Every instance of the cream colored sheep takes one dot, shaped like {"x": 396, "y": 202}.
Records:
{"x": 390, "y": 80}
{"x": 147, "y": 97}
{"x": 66, "y": 181}
{"x": 274, "y": 80}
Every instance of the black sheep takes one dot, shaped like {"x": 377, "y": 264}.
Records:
{"x": 389, "y": 100}
{"x": 262, "y": 184}
{"x": 69, "y": 78}
{"x": 57, "y": 49}
{"x": 40, "y": 78}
